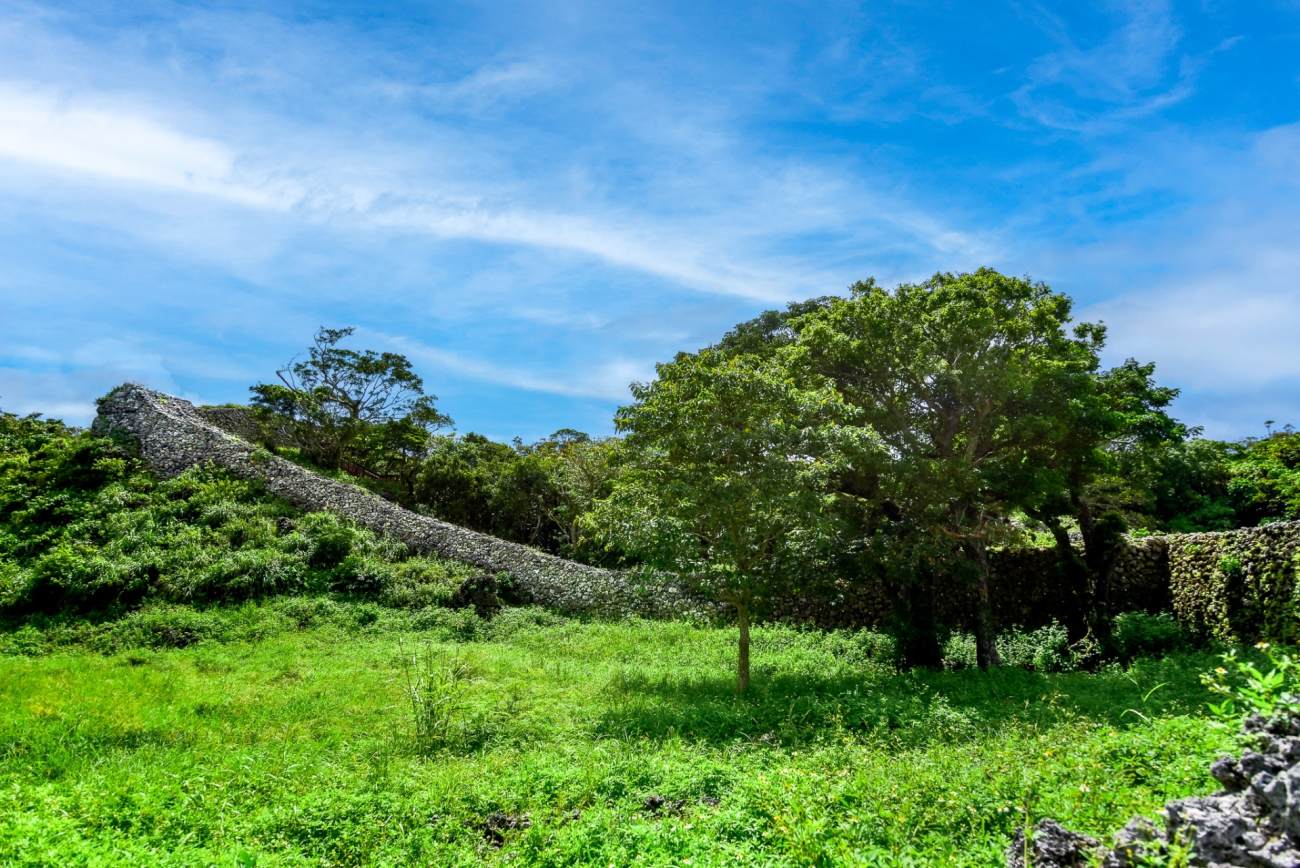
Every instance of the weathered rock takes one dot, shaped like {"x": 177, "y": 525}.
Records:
{"x": 1254, "y": 822}
{"x": 174, "y": 436}
{"x": 1051, "y": 846}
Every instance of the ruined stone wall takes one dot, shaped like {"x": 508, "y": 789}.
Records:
{"x": 243, "y": 423}
{"x": 1238, "y": 585}
{"x": 174, "y": 435}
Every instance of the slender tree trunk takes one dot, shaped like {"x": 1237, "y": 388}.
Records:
{"x": 986, "y": 649}
{"x": 742, "y": 661}
{"x": 1102, "y": 537}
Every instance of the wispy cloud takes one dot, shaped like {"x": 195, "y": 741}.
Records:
{"x": 551, "y": 200}
{"x": 111, "y": 140}
{"x": 608, "y": 381}
{"x": 1129, "y": 74}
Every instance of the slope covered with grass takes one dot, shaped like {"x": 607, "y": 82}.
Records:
{"x": 87, "y": 532}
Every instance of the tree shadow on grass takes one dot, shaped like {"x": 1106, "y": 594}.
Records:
{"x": 910, "y": 708}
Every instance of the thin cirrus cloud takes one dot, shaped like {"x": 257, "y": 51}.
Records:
{"x": 609, "y": 381}
{"x": 110, "y": 140}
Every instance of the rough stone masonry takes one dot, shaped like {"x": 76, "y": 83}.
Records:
{"x": 174, "y": 435}
{"x": 1254, "y": 822}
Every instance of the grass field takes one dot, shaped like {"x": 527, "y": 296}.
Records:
{"x": 552, "y": 742}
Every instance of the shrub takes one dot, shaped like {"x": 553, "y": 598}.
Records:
{"x": 959, "y": 651}
{"x": 15, "y": 586}
{"x": 1137, "y": 634}
{"x": 512, "y": 621}
{"x": 420, "y": 582}
{"x": 1269, "y": 686}
{"x": 248, "y": 573}
{"x": 329, "y": 539}
{"x": 305, "y": 612}
{"x": 363, "y": 615}
{"x": 878, "y": 648}
{"x": 25, "y": 641}
{"x": 361, "y": 574}
{"x": 462, "y": 625}
{"x": 162, "y": 626}
{"x": 1046, "y": 649}
{"x": 479, "y": 592}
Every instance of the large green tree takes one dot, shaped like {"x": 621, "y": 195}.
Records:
{"x": 731, "y": 460}
{"x": 361, "y": 406}
{"x": 968, "y": 380}
{"x": 1116, "y": 420}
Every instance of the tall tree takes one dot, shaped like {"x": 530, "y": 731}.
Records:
{"x": 729, "y": 477}
{"x": 351, "y": 404}
{"x": 1117, "y": 419}
{"x": 967, "y": 379}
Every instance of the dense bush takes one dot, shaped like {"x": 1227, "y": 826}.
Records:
{"x": 1135, "y": 634}
{"x": 83, "y": 528}
{"x": 1046, "y": 649}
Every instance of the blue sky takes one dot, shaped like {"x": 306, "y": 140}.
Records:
{"x": 536, "y": 202}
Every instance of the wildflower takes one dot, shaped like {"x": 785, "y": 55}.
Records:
{"x": 1263, "y": 646}
{"x": 1219, "y": 670}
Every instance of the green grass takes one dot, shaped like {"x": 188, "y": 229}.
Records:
{"x": 298, "y": 746}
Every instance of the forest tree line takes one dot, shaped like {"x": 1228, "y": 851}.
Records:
{"x": 896, "y": 435}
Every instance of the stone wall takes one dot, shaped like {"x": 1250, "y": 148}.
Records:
{"x": 1238, "y": 585}
{"x": 243, "y": 423}
{"x": 174, "y": 435}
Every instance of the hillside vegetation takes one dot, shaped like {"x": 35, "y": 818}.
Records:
{"x": 85, "y": 530}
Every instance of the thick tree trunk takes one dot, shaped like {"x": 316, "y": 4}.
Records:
{"x": 920, "y": 627}
{"x": 1075, "y": 574}
{"x": 986, "y": 649}
{"x": 742, "y": 660}
{"x": 1102, "y": 537}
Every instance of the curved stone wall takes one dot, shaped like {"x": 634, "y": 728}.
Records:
{"x": 174, "y": 435}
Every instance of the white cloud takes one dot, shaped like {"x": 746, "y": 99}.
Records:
{"x": 101, "y": 137}
{"x": 489, "y": 87}
{"x": 1128, "y": 75}
{"x": 114, "y": 142}
{"x": 1210, "y": 335}
{"x": 606, "y": 381}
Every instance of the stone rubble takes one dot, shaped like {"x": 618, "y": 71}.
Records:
{"x": 1254, "y": 822}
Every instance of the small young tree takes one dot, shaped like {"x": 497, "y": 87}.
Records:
{"x": 731, "y": 460}
{"x": 343, "y": 403}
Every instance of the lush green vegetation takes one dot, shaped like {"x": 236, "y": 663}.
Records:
{"x": 84, "y": 529}
{"x": 193, "y": 672}
{"x": 887, "y": 438}
{"x": 554, "y": 742}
